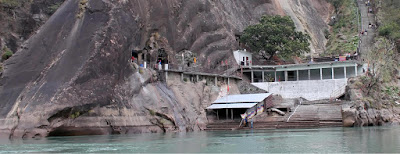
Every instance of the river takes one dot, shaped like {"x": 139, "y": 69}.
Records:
{"x": 323, "y": 140}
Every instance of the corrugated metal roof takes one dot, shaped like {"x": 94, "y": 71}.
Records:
{"x": 232, "y": 106}
{"x": 243, "y": 98}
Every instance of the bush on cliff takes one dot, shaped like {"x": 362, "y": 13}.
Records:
{"x": 6, "y": 54}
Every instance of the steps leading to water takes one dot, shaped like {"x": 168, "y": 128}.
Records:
{"x": 309, "y": 115}
{"x": 277, "y": 125}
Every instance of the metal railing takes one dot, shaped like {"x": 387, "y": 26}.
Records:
{"x": 338, "y": 92}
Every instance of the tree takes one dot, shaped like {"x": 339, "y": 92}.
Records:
{"x": 275, "y": 35}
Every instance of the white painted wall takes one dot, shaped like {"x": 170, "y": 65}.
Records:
{"x": 309, "y": 89}
{"x": 239, "y": 54}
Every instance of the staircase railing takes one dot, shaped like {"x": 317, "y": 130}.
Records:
{"x": 338, "y": 92}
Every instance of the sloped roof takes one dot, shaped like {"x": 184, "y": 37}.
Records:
{"x": 232, "y": 106}
{"x": 243, "y": 98}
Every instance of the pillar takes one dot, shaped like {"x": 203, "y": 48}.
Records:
{"x": 355, "y": 68}
{"x": 217, "y": 115}
{"x": 309, "y": 74}
{"x": 333, "y": 73}
{"x": 286, "y": 76}
{"x": 227, "y": 112}
{"x": 182, "y": 77}
{"x": 345, "y": 72}
{"x": 320, "y": 72}
{"x": 297, "y": 73}
{"x": 262, "y": 76}
{"x": 216, "y": 81}
{"x": 166, "y": 76}
{"x": 197, "y": 78}
{"x": 232, "y": 114}
{"x": 252, "y": 76}
{"x": 275, "y": 76}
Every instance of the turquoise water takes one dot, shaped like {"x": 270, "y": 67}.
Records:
{"x": 332, "y": 140}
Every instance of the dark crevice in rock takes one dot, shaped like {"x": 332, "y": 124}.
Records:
{"x": 157, "y": 121}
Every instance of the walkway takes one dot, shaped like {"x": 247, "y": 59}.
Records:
{"x": 366, "y": 18}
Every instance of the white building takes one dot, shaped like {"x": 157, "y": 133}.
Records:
{"x": 243, "y": 57}
{"x": 313, "y": 81}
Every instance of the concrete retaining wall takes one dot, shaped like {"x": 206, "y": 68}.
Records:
{"x": 309, "y": 89}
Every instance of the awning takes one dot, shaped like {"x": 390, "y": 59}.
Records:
{"x": 244, "y": 98}
{"x": 232, "y": 106}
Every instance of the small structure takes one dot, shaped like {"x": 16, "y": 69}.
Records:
{"x": 243, "y": 57}
{"x": 232, "y": 106}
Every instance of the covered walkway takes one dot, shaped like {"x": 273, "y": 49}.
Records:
{"x": 298, "y": 72}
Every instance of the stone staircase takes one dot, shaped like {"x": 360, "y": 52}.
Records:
{"x": 306, "y": 116}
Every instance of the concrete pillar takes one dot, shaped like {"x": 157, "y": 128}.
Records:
{"x": 217, "y": 115}
{"x": 182, "y": 77}
{"x": 309, "y": 74}
{"x": 262, "y": 76}
{"x": 197, "y": 78}
{"x": 297, "y": 73}
{"x": 227, "y": 112}
{"x": 286, "y": 76}
{"x": 355, "y": 68}
{"x": 333, "y": 73}
{"x": 228, "y": 81}
{"x": 216, "y": 80}
{"x": 232, "y": 114}
{"x": 166, "y": 76}
{"x": 252, "y": 76}
{"x": 345, "y": 72}
{"x": 275, "y": 77}
{"x": 320, "y": 72}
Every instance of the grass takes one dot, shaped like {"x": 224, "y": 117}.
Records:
{"x": 390, "y": 20}
{"x": 343, "y": 37}
{"x": 10, "y": 3}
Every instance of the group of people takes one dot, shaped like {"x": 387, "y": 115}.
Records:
{"x": 367, "y": 3}
{"x": 364, "y": 32}
{"x": 370, "y": 26}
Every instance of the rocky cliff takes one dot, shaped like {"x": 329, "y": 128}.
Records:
{"x": 74, "y": 76}
{"x": 368, "y": 108}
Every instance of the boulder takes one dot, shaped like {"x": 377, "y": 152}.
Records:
{"x": 349, "y": 117}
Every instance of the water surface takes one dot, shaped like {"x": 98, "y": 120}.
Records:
{"x": 336, "y": 140}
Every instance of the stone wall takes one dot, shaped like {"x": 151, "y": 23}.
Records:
{"x": 310, "y": 89}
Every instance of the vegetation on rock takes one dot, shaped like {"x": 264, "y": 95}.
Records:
{"x": 275, "y": 35}
{"x": 82, "y": 8}
{"x": 390, "y": 18}
{"x": 6, "y": 53}
{"x": 343, "y": 37}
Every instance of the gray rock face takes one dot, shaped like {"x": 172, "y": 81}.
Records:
{"x": 75, "y": 72}
{"x": 355, "y": 114}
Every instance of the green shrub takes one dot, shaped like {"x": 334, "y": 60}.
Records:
{"x": 53, "y": 8}
{"x": 10, "y": 3}
{"x": 7, "y": 54}
{"x": 326, "y": 33}
{"x": 75, "y": 115}
{"x": 185, "y": 79}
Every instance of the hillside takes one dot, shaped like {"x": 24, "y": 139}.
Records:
{"x": 74, "y": 71}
